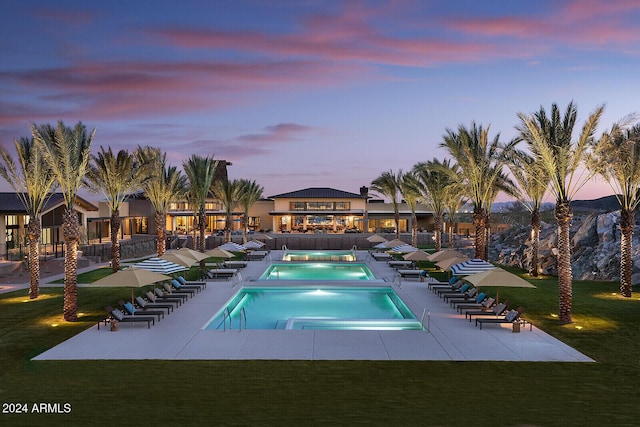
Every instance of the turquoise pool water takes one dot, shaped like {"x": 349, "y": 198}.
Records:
{"x": 373, "y": 308}
{"x": 318, "y": 271}
{"x": 340, "y": 256}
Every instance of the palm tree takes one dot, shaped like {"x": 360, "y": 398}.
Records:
{"x": 550, "y": 140}
{"x": 434, "y": 180}
{"x": 533, "y": 180}
{"x": 228, "y": 193}
{"x": 250, "y": 193}
{"x": 410, "y": 190}
{"x": 32, "y": 183}
{"x": 388, "y": 184}
{"x": 165, "y": 185}
{"x": 66, "y": 152}
{"x": 200, "y": 172}
{"x": 116, "y": 177}
{"x": 454, "y": 200}
{"x": 617, "y": 158}
{"x": 480, "y": 162}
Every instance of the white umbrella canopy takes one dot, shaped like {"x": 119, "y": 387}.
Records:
{"x": 376, "y": 238}
{"x": 416, "y": 256}
{"x": 160, "y": 266}
{"x": 444, "y": 254}
{"x": 131, "y": 278}
{"x": 218, "y": 253}
{"x": 185, "y": 261}
{"x": 197, "y": 255}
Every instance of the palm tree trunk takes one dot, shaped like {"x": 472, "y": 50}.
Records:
{"x": 33, "y": 231}
{"x": 397, "y": 220}
{"x": 115, "y": 241}
{"x": 245, "y": 227}
{"x": 627, "y": 219}
{"x": 452, "y": 242}
{"x": 563, "y": 215}
{"x": 414, "y": 230}
{"x": 437, "y": 232}
{"x": 478, "y": 222}
{"x": 161, "y": 244}
{"x": 202, "y": 218}
{"x": 71, "y": 233}
{"x": 487, "y": 236}
{"x": 536, "y": 224}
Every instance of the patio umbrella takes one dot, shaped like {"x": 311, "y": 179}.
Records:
{"x": 404, "y": 249}
{"x": 218, "y": 253}
{"x": 262, "y": 236}
{"x": 416, "y": 256}
{"x": 253, "y": 244}
{"x": 231, "y": 246}
{"x": 131, "y": 278}
{"x": 498, "y": 277}
{"x": 197, "y": 255}
{"x": 394, "y": 243}
{"x": 445, "y": 264}
{"x": 185, "y": 261}
{"x": 471, "y": 266}
{"x": 444, "y": 254}
{"x": 160, "y": 266}
{"x": 376, "y": 238}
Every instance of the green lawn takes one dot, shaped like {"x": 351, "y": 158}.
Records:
{"x": 329, "y": 392}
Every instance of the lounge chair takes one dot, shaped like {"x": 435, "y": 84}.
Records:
{"x": 468, "y": 297}
{"x": 409, "y": 273}
{"x": 498, "y": 309}
{"x": 381, "y": 256}
{"x": 234, "y": 264}
{"x": 256, "y": 255}
{"x": 143, "y": 304}
{"x": 171, "y": 290}
{"x": 178, "y": 286}
{"x": 486, "y": 305}
{"x": 162, "y": 293}
{"x": 221, "y": 273}
{"x": 115, "y": 314}
{"x": 158, "y": 295}
{"x": 511, "y": 317}
{"x": 184, "y": 282}
{"x": 453, "y": 283}
{"x": 399, "y": 263}
{"x": 129, "y": 309}
{"x": 455, "y": 292}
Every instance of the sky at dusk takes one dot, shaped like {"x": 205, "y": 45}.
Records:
{"x": 301, "y": 93}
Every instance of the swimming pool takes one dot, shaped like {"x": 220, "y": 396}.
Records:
{"x": 317, "y": 271}
{"x": 340, "y": 256}
{"x": 300, "y": 307}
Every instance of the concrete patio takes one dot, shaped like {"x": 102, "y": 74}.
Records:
{"x": 447, "y": 335}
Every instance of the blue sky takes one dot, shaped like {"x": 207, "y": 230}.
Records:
{"x": 311, "y": 93}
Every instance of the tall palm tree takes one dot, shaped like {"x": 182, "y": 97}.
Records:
{"x": 411, "y": 193}
{"x": 434, "y": 178}
{"x": 480, "y": 160}
{"x": 550, "y": 140}
{"x": 200, "y": 172}
{"x": 166, "y": 185}
{"x": 66, "y": 152}
{"x": 617, "y": 158}
{"x": 228, "y": 193}
{"x": 454, "y": 200}
{"x": 32, "y": 182}
{"x": 250, "y": 193}
{"x": 533, "y": 180}
{"x": 388, "y": 184}
{"x": 116, "y": 177}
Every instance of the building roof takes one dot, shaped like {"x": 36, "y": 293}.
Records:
{"x": 318, "y": 193}
{"x": 11, "y": 204}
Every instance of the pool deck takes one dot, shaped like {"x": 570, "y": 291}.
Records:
{"x": 179, "y": 335}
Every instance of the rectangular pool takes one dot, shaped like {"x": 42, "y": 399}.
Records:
{"x": 340, "y": 256}
{"x": 342, "y": 308}
{"x": 317, "y": 271}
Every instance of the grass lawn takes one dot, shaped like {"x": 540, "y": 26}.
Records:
{"x": 302, "y": 393}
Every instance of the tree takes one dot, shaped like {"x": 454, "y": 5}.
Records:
{"x": 532, "y": 179}
{"x": 617, "y": 158}
{"x": 434, "y": 178}
{"x": 388, "y": 184}
{"x": 66, "y": 151}
{"x": 250, "y": 193}
{"x": 116, "y": 178}
{"x": 228, "y": 193}
{"x": 480, "y": 162}
{"x": 165, "y": 185}
{"x": 410, "y": 190}
{"x": 551, "y": 143}
{"x": 200, "y": 172}
{"x": 32, "y": 182}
